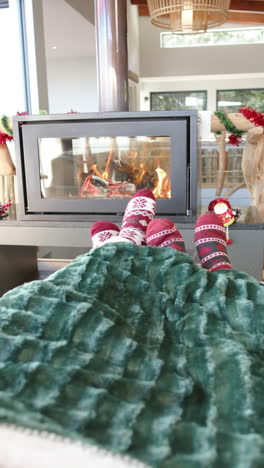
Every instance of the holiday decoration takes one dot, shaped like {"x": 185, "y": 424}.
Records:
{"x": 3, "y": 209}
{"x": 253, "y": 115}
{"x": 6, "y": 128}
{"x": 224, "y": 211}
{"x": 236, "y": 135}
{"x": 251, "y": 121}
{"x": 257, "y": 118}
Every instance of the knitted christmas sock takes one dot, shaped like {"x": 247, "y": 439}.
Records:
{"x": 102, "y": 232}
{"x": 162, "y": 232}
{"x": 139, "y": 212}
{"x": 210, "y": 241}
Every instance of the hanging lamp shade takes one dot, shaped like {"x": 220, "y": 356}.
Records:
{"x": 188, "y": 16}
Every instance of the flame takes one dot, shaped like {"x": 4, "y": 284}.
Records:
{"x": 163, "y": 185}
{"x": 162, "y": 189}
{"x": 134, "y": 165}
{"x": 139, "y": 174}
{"x": 96, "y": 172}
{"x": 105, "y": 174}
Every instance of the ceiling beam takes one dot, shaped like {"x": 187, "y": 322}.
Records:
{"x": 241, "y": 17}
{"x": 138, "y": 2}
{"x": 247, "y": 5}
{"x": 143, "y": 10}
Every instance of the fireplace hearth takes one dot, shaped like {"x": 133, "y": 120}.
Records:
{"x": 83, "y": 166}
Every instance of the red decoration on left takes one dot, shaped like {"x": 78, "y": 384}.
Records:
{"x": 3, "y": 209}
{"x": 4, "y": 138}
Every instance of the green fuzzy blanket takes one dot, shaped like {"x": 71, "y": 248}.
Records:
{"x": 140, "y": 351}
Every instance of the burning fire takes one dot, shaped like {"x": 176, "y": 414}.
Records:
{"x": 162, "y": 189}
{"x": 97, "y": 173}
{"x": 139, "y": 175}
{"x": 105, "y": 174}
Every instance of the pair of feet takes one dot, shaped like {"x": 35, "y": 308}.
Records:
{"x": 139, "y": 227}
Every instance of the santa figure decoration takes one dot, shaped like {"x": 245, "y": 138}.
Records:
{"x": 224, "y": 211}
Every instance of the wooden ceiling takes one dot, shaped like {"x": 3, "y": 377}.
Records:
{"x": 241, "y": 11}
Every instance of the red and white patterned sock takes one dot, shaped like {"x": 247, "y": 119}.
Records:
{"x": 210, "y": 241}
{"x": 103, "y": 232}
{"x": 139, "y": 212}
{"x": 162, "y": 232}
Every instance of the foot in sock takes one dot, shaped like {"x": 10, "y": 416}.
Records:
{"x": 210, "y": 241}
{"x": 103, "y": 232}
{"x": 139, "y": 212}
{"x": 162, "y": 232}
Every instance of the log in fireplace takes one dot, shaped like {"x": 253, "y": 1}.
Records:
{"x": 86, "y": 166}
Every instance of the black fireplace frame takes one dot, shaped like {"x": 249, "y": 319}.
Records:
{"x": 180, "y": 126}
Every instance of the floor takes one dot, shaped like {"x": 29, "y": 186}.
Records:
{"x": 47, "y": 267}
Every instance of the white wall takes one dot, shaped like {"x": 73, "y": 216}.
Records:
{"x": 72, "y": 84}
{"x": 133, "y": 38}
{"x": 72, "y": 79}
{"x": 193, "y": 83}
{"x": 155, "y": 61}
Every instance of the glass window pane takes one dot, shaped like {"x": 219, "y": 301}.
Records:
{"x": 178, "y": 100}
{"x": 214, "y": 38}
{"x": 231, "y": 100}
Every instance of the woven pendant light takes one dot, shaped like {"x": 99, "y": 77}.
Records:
{"x": 188, "y": 16}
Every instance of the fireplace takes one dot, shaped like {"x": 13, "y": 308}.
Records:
{"x": 87, "y": 166}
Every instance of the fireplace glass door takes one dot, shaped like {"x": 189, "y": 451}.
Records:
{"x": 77, "y": 165}
{"x": 104, "y": 167}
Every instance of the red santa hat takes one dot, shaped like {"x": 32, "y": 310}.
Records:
{"x": 218, "y": 200}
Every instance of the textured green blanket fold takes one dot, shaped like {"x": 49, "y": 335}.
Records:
{"x": 142, "y": 352}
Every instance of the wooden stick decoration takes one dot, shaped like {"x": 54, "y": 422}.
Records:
{"x": 238, "y": 120}
{"x": 234, "y": 189}
{"x": 253, "y": 168}
{"x": 222, "y": 163}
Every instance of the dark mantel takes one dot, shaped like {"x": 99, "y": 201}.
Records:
{"x": 246, "y": 252}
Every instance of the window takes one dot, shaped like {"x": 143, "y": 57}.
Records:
{"x": 178, "y": 100}
{"x": 231, "y": 100}
{"x": 4, "y": 3}
{"x": 213, "y": 38}
{"x": 12, "y": 78}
